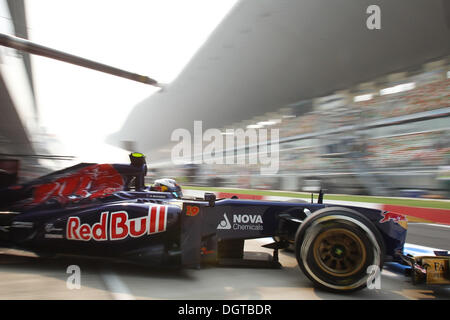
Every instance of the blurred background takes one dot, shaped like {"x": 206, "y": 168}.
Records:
{"x": 359, "y": 111}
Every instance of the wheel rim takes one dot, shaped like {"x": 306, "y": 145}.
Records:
{"x": 339, "y": 252}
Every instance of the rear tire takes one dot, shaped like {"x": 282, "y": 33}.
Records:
{"x": 336, "y": 246}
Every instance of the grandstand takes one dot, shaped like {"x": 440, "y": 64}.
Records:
{"x": 383, "y": 137}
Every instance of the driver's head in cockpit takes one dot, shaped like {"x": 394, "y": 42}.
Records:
{"x": 167, "y": 185}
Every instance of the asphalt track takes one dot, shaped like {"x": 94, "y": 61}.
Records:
{"x": 429, "y": 235}
{"x": 32, "y": 278}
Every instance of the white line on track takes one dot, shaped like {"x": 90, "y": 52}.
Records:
{"x": 430, "y": 224}
{"x": 116, "y": 287}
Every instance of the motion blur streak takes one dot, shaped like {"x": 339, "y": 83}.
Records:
{"x": 359, "y": 111}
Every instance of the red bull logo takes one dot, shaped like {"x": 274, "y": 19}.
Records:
{"x": 396, "y": 217}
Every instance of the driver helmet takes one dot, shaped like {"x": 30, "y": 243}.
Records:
{"x": 167, "y": 185}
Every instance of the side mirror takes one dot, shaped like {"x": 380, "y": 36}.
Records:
{"x": 320, "y": 199}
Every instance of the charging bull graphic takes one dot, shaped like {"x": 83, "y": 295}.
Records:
{"x": 396, "y": 217}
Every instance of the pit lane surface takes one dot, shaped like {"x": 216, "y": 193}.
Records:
{"x": 31, "y": 278}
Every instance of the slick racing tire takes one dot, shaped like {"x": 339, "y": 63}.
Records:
{"x": 336, "y": 247}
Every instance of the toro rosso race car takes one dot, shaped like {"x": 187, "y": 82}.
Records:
{"x": 106, "y": 211}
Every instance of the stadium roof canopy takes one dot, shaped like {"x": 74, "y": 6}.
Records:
{"x": 267, "y": 54}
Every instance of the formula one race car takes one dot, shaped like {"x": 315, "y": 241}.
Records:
{"x": 106, "y": 211}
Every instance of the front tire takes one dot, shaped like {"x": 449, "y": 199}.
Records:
{"x": 336, "y": 246}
